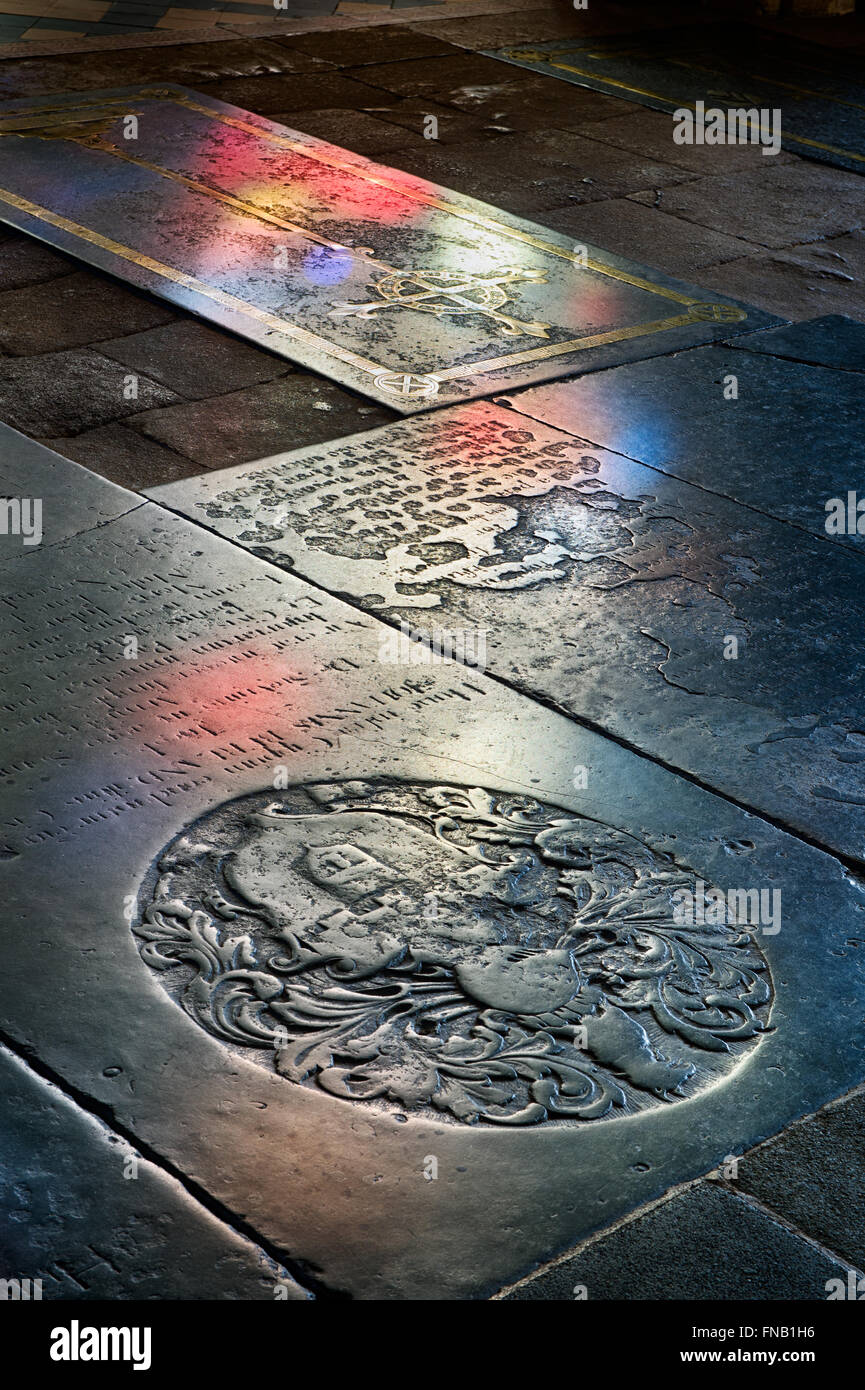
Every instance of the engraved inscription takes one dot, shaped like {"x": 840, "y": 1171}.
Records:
{"x": 342, "y": 517}
{"x": 449, "y": 949}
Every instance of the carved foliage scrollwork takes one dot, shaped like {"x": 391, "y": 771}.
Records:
{"x": 480, "y": 955}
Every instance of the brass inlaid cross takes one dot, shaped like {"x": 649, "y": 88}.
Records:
{"x": 443, "y": 292}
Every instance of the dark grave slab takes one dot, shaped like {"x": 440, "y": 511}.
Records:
{"x": 704, "y": 1244}
{"x": 606, "y": 588}
{"x": 828, "y": 1204}
{"x": 791, "y": 441}
{"x": 353, "y": 943}
{"x": 821, "y": 95}
{"x": 405, "y": 291}
{"x": 220, "y": 60}
{"x": 45, "y": 499}
{"x": 89, "y": 1217}
{"x": 834, "y": 340}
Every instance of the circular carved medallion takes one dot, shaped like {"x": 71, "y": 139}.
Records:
{"x": 718, "y": 313}
{"x": 408, "y": 384}
{"x": 476, "y": 955}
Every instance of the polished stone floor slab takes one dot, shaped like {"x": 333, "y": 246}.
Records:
{"x": 409, "y": 293}
{"x": 822, "y": 99}
{"x": 51, "y": 498}
{"x": 385, "y": 955}
{"x": 831, "y": 341}
{"x": 790, "y": 441}
{"x": 605, "y": 587}
{"x": 703, "y": 1244}
{"x": 83, "y": 1212}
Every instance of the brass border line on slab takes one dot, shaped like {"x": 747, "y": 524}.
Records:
{"x": 363, "y": 364}
{"x": 180, "y": 277}
{"x": 616, "y": 335}
{"x": 695, "y": 309}
{"x": 691, "y": 106}
{"x": 417, "y": 195}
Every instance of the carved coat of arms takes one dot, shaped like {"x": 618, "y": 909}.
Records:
{"x": 476, "y": 954}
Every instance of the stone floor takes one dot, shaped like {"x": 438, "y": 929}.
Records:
{"x": 40, "y": 20}
{"x": 760, "y": 1197}
{"x": 789, "y": 240}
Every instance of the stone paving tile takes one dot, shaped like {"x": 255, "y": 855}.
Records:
{"x": 776, "y": 207}
{"x": 532, "y": 103}
{"x": 791, "y": 441}
{"x": 91, "y": 1218}
{"x": 61, "y": 393}
{"x": 650, "y": 133}
{"x": 464, "y": 169}
{"x": 285, "y": 92}
{"x": 194, "y": 361}
{"x": 70, "y": 498}
{"x": 219, "y": 432}
{"x": 71, "y": 311}
{"x": 359, "y": 131}
{"x": 396, "y": 43}
{"x": 833, "y": 30}
{"x": 242, "y": 669}
{"x": 802, "y": 282}
{"x": 433, "y": 77}
{"x": 523, "y": 173}
{"x": 606, "y": 589}
{"x": 541, "y": 25}
{"x": 585, "y": 161}
{"x": 191, "y": 63}
{"x": 454, "y": 127}
{"x": 494, "y": 30}
{"x": 25, "y": 261}
{"x": 702, "y": 1244}
{"x": 651, "y": 236}
{"x": 811, "y": 1175}
{"x": 129, "y": 459}
{"x": 833, "y": 341}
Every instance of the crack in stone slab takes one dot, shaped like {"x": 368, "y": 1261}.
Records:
{"x": 70, "y": 499}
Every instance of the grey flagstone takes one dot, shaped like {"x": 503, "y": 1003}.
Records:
{"x": 834, "y": 340}
{"x": 787, "y": 443}
{"x": 85, "y": 1216}
{"x": 51, "y": 497}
